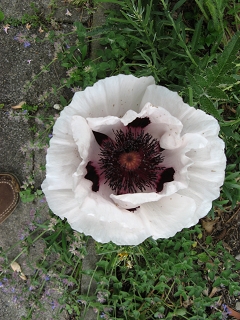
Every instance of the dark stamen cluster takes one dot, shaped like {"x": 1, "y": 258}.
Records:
{"x": 130, "y": 163}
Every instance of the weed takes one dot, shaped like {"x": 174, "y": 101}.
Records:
{"x": 1, "y": 16}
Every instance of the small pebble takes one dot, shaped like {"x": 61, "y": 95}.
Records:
{"x": 238, "y": 306}
{"x": 238, "y": 257}
{"x": 57, "y": 106}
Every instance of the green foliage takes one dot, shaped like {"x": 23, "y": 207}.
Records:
{"x": 78, "y": 2}
{"x": 29, "y": 108}
{"x": 159, "y": 277}
{"x": 231, "y": 187}
{"x": 209, "y": 85}
{"x": 29, "y": 195}
{"x": 36, "y": 19}
{"x": 214, "y": 12}
{"x": 1, "y": 16}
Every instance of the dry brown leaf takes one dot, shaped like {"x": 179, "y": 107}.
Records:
{"x": 15, "y": 266}
{"x": 233, "y": 313}
{"x": 214, "y": 290}
{"x": 222, "y": 234}
{"x": 187, "y": 303}
{"x": 22, "y": 276}
{"x": 209, "y": 224}
{"x": 19, "y": 106}
{"x": 226, "y": 246}
{"x": 40, "y": 30}
{"x": 28, "y": 26}
{"x": 68, "y": 13}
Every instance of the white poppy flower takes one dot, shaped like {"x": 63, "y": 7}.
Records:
{"x": 130, "y": 160}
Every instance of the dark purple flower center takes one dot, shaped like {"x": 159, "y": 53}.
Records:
{"x": 130, "y": 162}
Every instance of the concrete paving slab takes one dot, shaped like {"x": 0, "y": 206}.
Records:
{"x": 13, "y": 135}
{"x": 8, "y": 308}
{"x": 14, "y": 292}
{"x": 47, "y": 9}
{"x": 89, "y": 263}
{"x": 18, "y": 64}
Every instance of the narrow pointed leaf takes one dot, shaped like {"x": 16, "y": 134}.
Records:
{"x": 196, "y": 35}
{"x": 217, "y": 94}
{"x": 207, "y": 106}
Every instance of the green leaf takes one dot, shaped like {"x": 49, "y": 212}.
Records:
{"x": 225, "y": 60}
{"x": 208, "y": 239}
{"x": 230, "y": 51}
{"x": 26, "y": 196}
{"x": 219, "y": 70}
{"x": 217, "y": 94}
{"x": 226, "y": 273}
{"x": 231, "y": 167}
{"x": 232, "y": 185}
{"x": 201, "y": 81}
{"x": 211, "y": 275}
{"x": 212, "y": 9}
{"x": 1, "y": 16}
{"x": 227, "y": 80}
{"x": 112, "y": 64}
{"x": 178, "y": 5}
{"x": 217, "y": 282}
{"x": 203, "y": 257}
{"x": 84, "y": 51}
{"x": 39, "y": 192}
{"x": 136, "y": 314}
{"x": 161, "y": 287}
{"x": 232, "y": 176}
{"x": 180, "y": 312}
{"x": 196, "y": 35}
{"x": 194, "y": 84}
{"x": 63, "y": 101}
{"x": 227, "y": 193}
{"x": 147, "y": 14}
{"x": 103, "y": 66}
{"x": 207, "y": 106}
{"x": 102, "y": 264}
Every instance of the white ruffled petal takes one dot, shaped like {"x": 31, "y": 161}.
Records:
{"x": 194, "y": 121}
{"x": 104, "y": 231}
{"x": 96, "y": 207}
{"x": 129, "y": 116}
{"x": 105, "y": 125}
{"x": 206, "y": 175}
{"x": 96, "y": 217}
{"x": 84, "y": 139}
{"x": 62, "y": 160}
{"x": 61, "y": 202}
{"x": 112, "y": 96}
{"x": 133, "y": 200}
{"x": 169, "y": 215}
